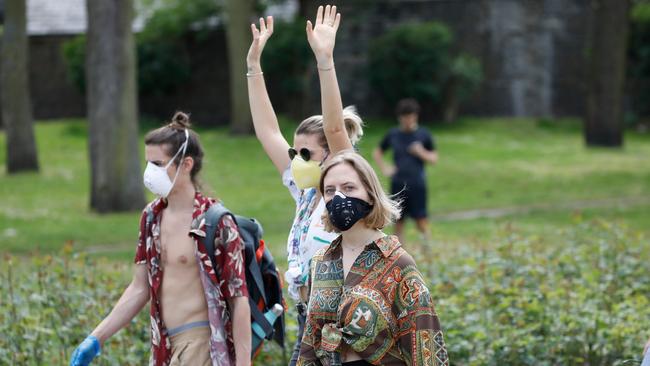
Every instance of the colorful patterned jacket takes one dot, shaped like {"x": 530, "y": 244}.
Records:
{"x": 383, "y": 310}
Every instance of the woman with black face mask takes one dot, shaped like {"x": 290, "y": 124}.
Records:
{"x": 368, "y": 302}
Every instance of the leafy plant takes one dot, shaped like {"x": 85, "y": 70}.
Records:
{"x": 285, "y": 62}
{"x": 51, "y": 303}
{"x": 74, "y": 54}
{"x": 530, "y": 302}
{"x": 416, "y": 60}
{"x": 163, "y": 60}
{"x": 524, "y": 301}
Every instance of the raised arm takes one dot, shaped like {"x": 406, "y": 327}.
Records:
{"x": 265, "y": 121}
{"x": 322, "y": 37}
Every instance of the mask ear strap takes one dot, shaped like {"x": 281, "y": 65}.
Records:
{"x": 327, "y": 154}
{"x": 181, "y": 150}
{"x": 187, "y": 140}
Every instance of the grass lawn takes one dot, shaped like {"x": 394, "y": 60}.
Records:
{"x": 533, "y": 176}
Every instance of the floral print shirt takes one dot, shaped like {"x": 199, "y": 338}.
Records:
{"x": 382, "y": 310}
{"x": 307, "y": 233}
{"x": 226, "y": 281}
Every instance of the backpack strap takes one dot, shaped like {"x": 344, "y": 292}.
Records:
{"x": 212, "y": 218}
{"x": 251, "y": 232}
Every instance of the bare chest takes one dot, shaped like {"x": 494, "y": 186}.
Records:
{"x": 178, "y": 247}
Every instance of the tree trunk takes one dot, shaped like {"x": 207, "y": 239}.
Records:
{"x": 116, "y": 179}
{"x": 239, "y": 13}
{"x": 16, "y": 103}
{"x": 604, "y": 116}
{"x": 450, "y": 101}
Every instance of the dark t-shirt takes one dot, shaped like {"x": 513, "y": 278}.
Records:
{"x": 410, "y": 169}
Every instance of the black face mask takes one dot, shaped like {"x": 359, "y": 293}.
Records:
{"x": 344, "y": 211}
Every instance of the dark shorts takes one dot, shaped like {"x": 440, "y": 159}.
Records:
{"x": 413, "y": 197}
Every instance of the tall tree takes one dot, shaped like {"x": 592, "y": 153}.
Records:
{"x": 112, "y": 107}
{"x": 239, "y": 14}
{"x": 16, "y": 102}
{"x": 604, "y": 115}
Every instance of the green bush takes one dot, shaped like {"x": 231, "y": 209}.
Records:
{"x": 162, "y": 60}
{"x": 416, "y": 60}
{"x": 51, "y": 303}
{"x": 531, "y": 302}
{"x": 163, "y": 64}
{"x": 523, "y": 301}
{"x": 285, "y": 63}
{"x": 287, "y": 56}
{"x": 74, "y": 54}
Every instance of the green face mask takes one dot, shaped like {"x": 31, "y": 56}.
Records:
{"x": 306, "y": 174}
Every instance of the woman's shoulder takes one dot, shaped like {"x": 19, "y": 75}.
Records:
{"x": 403, "y": 259}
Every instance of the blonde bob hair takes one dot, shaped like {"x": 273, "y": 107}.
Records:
{"x": 385, "y": 210}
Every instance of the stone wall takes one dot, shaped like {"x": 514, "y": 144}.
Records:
{"x": 532, "y": 50}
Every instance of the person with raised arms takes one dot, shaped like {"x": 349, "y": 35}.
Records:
{"x": 315, "y": 140}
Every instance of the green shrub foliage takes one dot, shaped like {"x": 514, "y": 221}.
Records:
{"x": 527, "y": 301}
{"x": 162, "y": 59}
{"x": 287, "y": 55}
{"x": 521, "y": 301}
{"x": 416, "y": 60}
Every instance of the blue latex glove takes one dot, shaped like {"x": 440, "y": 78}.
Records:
{"x": 87, "y": 350}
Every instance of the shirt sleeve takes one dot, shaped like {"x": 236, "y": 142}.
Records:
{"x": 293, "y": 274}
{"x": 429, "y": 143}
{"x": 420, "y": 335}
{"x": 229, "y": 257}
{"x": 141, "y": 250}
{"x": 384, "y": 145}
{"x": 289, "y": 182}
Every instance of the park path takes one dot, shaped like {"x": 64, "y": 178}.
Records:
{"x": 492, "y": 213}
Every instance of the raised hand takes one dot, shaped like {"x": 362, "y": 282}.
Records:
{"x": 260, "y": 36}
{"x": 322, "y": 35}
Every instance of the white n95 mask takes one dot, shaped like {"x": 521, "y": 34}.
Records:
{"x": 155, "y": 177}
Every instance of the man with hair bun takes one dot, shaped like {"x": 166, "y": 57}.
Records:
{"x": 193, "y": 320}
